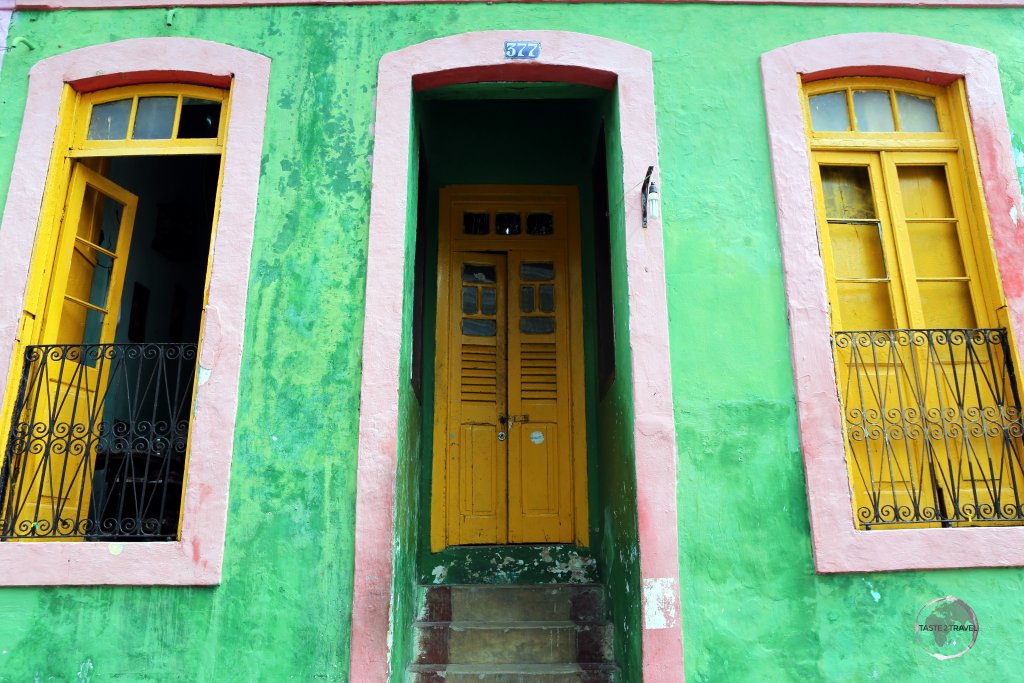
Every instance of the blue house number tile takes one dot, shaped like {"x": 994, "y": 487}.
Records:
{"x": 522, "y": 49}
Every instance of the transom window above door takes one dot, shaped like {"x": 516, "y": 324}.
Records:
{"x": 508, "y": 223}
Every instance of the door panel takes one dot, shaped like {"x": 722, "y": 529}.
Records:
{"x": 540, "y": 473}
{"x": 476, "y": 463}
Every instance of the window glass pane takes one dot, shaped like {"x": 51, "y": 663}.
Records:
{"x": 469, "y": 305}
{"x": 472, "y": 272}
{"x": 479, "y": 328}
{"x": 829, "y": 112}
{"x": 476, "y": 223}
{"x": 547, "y": 298}
{"x": 526, "y": 299}
{"x": 947, "y": 304}
{"x": 507, "y": 224}
{"x": 110, "y": 120}
{"x": 532, "y": 324}
{"x": 865, "y": 305}
{"x": 917, "y": 114}
{"x": 540, "y": 224}
{"x": 936, "y": 248}
{"x": 857, "y": 251}
{"x": 489, "y": 301}
{"x": 924, "y": 192}
{"x": 154, "y": 119}
{"x": 199, "y": 118}
{"x": 873, "y": 111}
{"x": 537, "y": 271}
{"x": 847, "y": 191}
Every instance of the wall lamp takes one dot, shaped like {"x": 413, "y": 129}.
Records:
{"x": 650, "y": 200}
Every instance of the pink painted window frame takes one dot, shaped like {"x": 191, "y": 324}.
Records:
{"x": 197, "y": 558}
{"x": 473, "y": 57}
{"x": 838, "y": 546}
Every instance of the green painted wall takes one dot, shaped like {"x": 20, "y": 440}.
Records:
{"x": 753, "y": 607}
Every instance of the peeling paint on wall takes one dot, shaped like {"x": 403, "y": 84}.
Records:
{"x": 755, "y": 610}
{"x": 659, "y": 602}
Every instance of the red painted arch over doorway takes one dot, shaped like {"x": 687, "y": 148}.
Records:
{"x": 474, "y": 57}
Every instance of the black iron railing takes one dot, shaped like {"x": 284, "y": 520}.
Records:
{"x": 97, "y": 445}
{"x": 933, "y": 427}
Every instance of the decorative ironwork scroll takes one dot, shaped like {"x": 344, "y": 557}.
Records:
{"x": 933, "y": 426}
{"x": 98, "y": 442}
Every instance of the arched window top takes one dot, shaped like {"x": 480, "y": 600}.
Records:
{"x": 978, "y": 148}
{"x": 64, "y": 81}
{"x": 895, "y": 109}
{"x": 142, "y": 119}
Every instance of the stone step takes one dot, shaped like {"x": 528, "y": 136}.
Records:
{"x": 577, "y": 603}
{"x": 512, "y": 634}
{"x": 512, "y": 673}
{"x": 511, "y": 642}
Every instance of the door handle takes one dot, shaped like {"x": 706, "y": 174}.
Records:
{"x": 501, "y": 436}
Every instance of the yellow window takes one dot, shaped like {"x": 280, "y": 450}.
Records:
{"x": 921, "y": 342}
{"x": 100, "y": 393}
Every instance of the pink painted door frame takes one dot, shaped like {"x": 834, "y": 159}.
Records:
{"x": 476, "y": 57}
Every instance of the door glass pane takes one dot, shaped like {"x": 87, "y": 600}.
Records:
{"x": 947, "y": 304}
{"x": 199, "y": 118}
{"x": 857, "y": 250}
{"x": 469, "y": 305}
{"x": 79, "y": 325}
{"x": 526, "y": 299}
{"x": 547, "y": 298}
{"x": 110, "y": 120}
{"x": 829, "y": 112}
{"x": 540, "y": 224}
{"x": 936, "y": 249}
{"x": 537, "y": 271}
{"x": 479, "y": 328}
{"x": 865, "y": 305}
{"x": 917, "y": 114}
{"x": 507, "y": 224}
{"x": 489, "y": 301}
{"x": 847, "y": 191}
{"x": 472, "y": 272}
{"x": 873, "y": 111}
{"x": 154, "y": 118}
{"x": 532, "y": 324}
{"x": 90, "y": 269}
{"x": 924, "y": 192}
{"x": 476, "y": 223}
{"x": 100, "y": 220}
{"x": 88, "y": 282}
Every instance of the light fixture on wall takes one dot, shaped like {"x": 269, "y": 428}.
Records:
{"x": 650, "y": 199}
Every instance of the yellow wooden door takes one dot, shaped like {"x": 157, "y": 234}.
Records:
{"x": 539, "y": 398}
{"x": 965, "y": 388}
{"x": 509, "y": 464}
{"x": 509, "y": 443}
{"x": 52, "y": 489}
{"x": 477, "y": 448}
{"x": 919, "y": 378}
